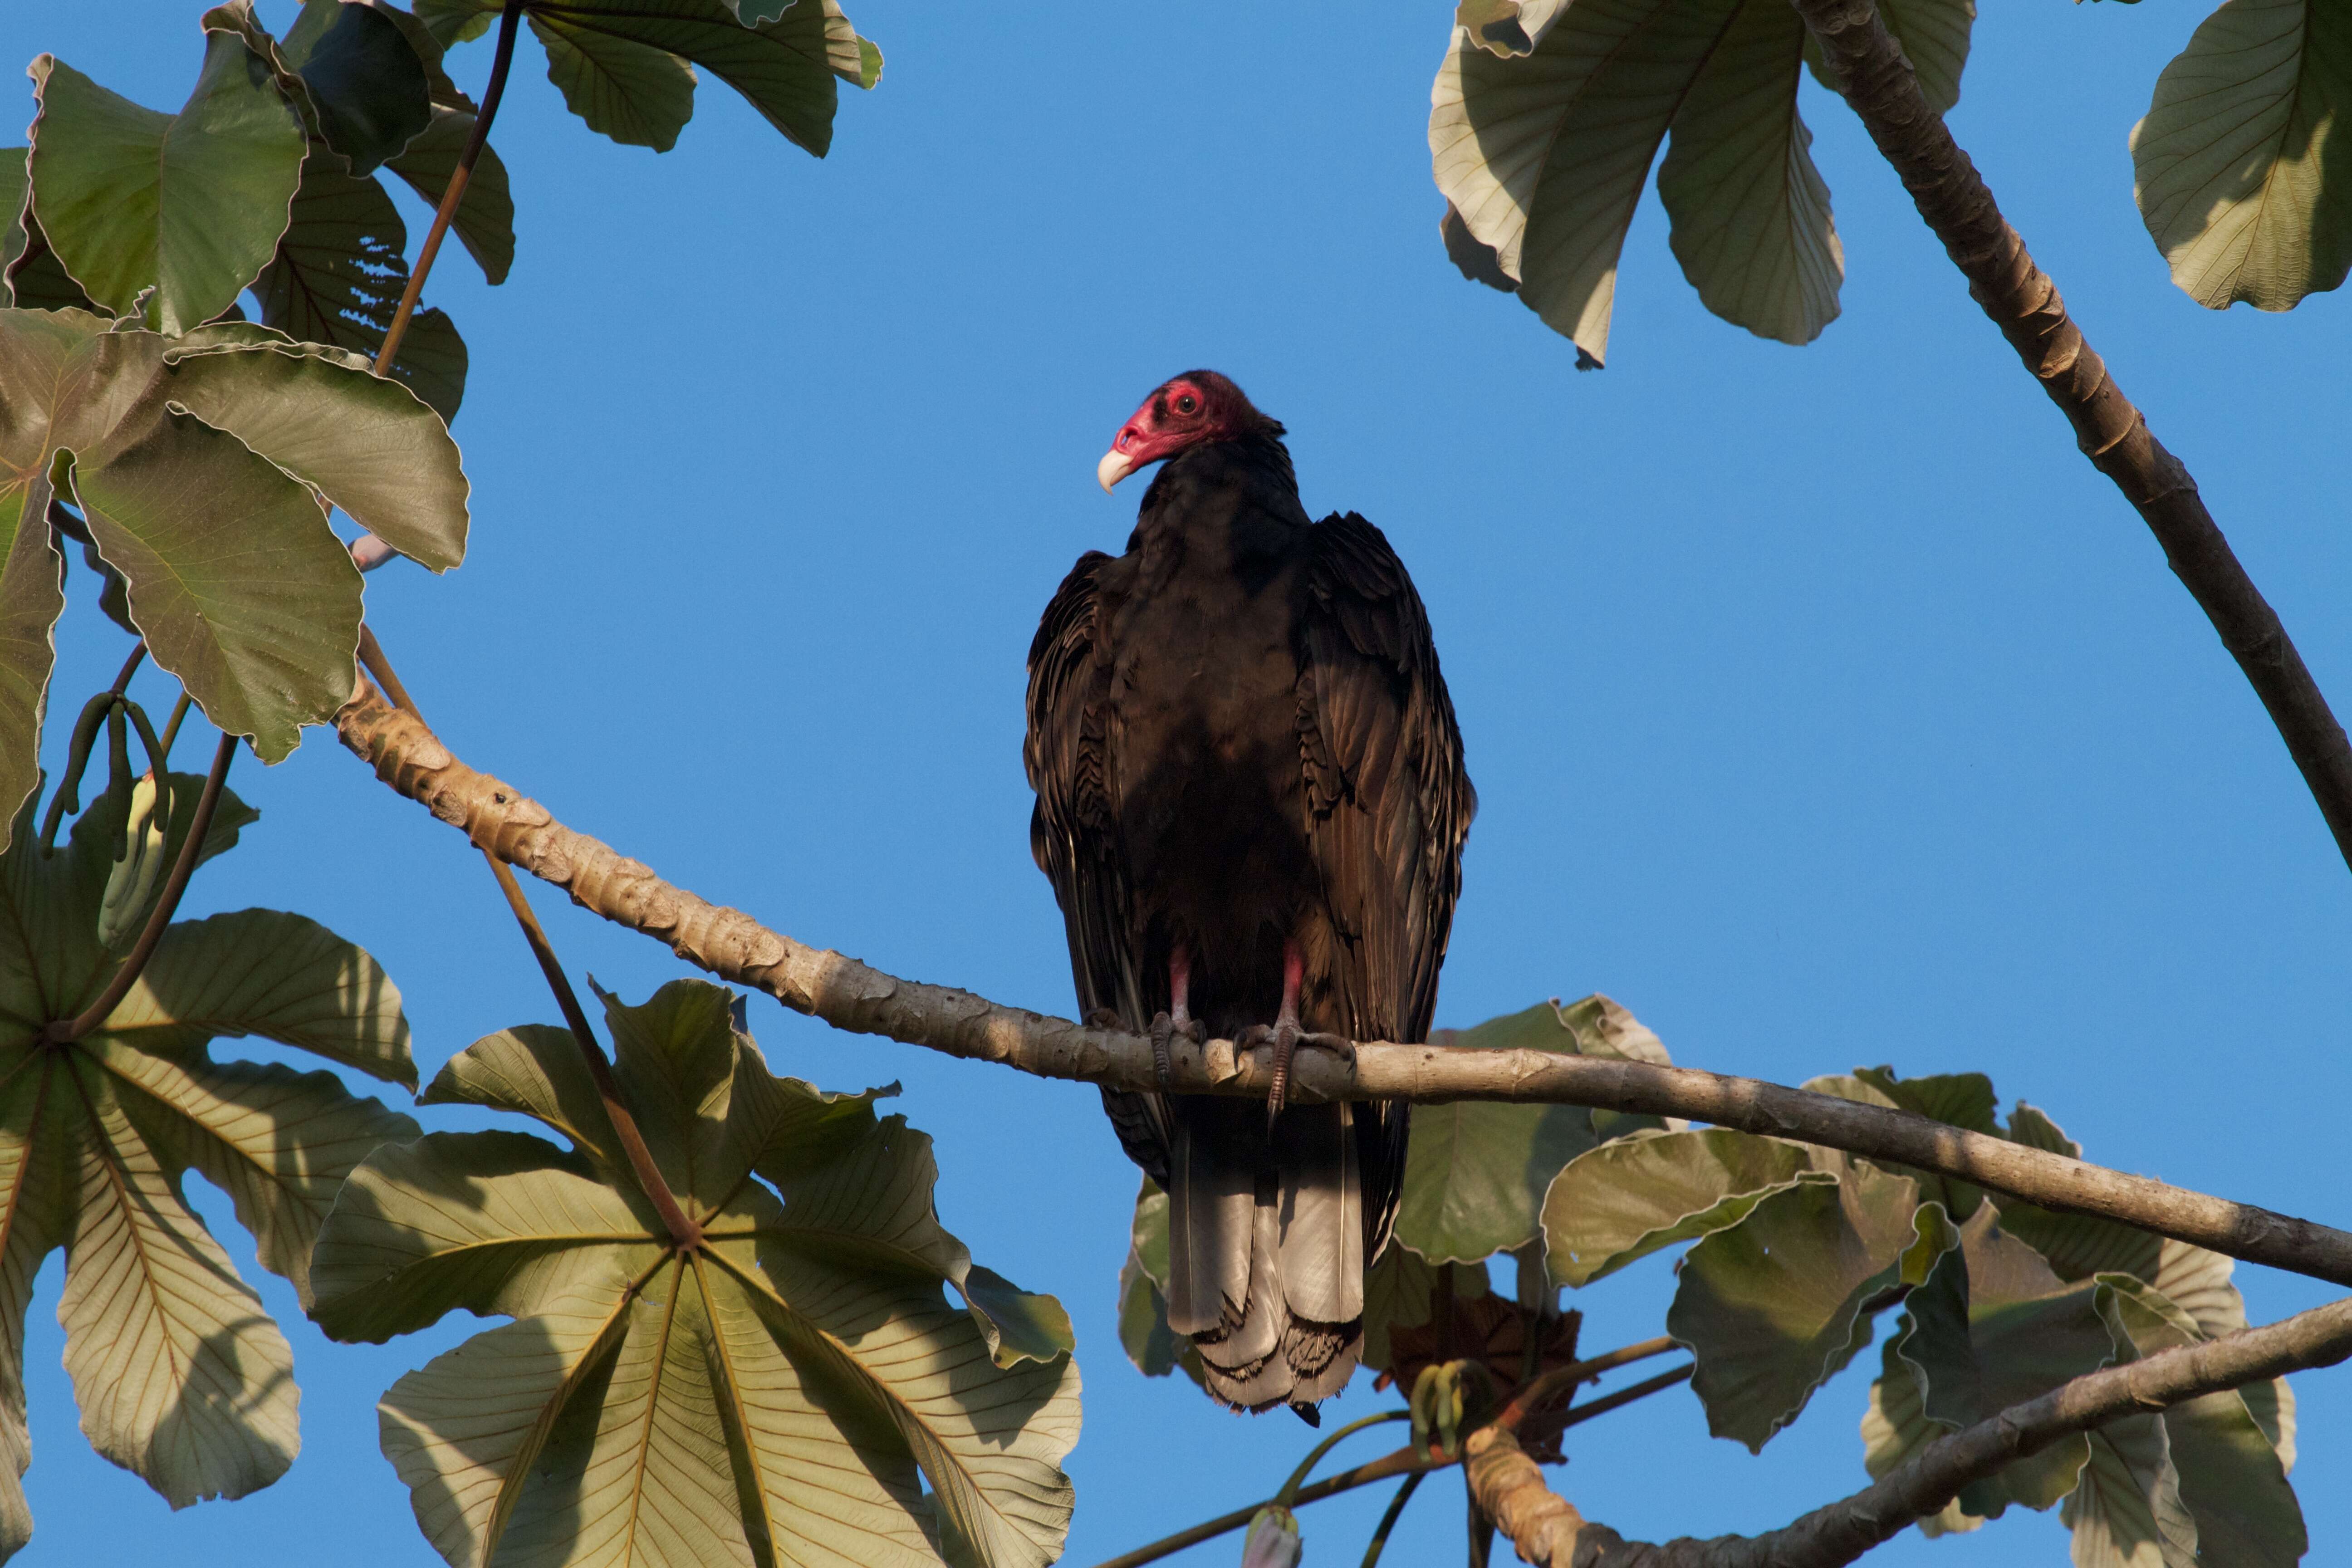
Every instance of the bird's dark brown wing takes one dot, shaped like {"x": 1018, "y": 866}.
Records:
{"x": 1070, "y": 756}
{"x": 1389, "y": 804}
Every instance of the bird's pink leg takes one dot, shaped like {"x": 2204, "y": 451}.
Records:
{"x": 1178, "y": 1019}
{"x": 1286, "y": 1035}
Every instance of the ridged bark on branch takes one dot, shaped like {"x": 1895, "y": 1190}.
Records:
{"x": 1550, "y": 1532}
{"x": 855, "y": 997}
{"x": 2024, "y": 304}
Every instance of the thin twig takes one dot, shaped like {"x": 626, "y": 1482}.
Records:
{"x": 62, "y": 1030}
{"x": 1405, "y": 1461}
{"x": 685, "y": 1233}
{"x": 1544, "y": 1424}
{"x": 2024, "y": 304}
{"x": 1544, "y": 1389}
{"x": 1289, "y": 1492}
{"x": 855, "y": 996}
{"x": 444, "y": 214}
{"x": 1389, "y": 1518}
{"x": 368, "y": 550}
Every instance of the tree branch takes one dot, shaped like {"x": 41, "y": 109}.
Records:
{"x": 2024, "y": 304}
{"x": 1549, "y": 1531}
{"x": 853, "y": 996}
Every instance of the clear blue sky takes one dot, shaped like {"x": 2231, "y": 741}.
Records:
{"x": 1825, "y": 707}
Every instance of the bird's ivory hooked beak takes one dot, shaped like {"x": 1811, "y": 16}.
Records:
{"x": 1115, "y": 466}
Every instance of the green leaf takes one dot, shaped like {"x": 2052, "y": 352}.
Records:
{"x": 190, "y": 204}
{"x": 1544, "y": 157}
{"x": 1631, "y": 1197}
{"x": 1750, "y": 213}
{"x": 1775, "y": 1305}
{"x": 364, "y": 79}
{"x": 1991, "y": 1327}
{"x": 32, "y": 596}
{"x": 337, "y": 279}
{"x": 624, "y": 65}
{"x": 2231, "y": 1479}
{"x": 484, "y": 217}
{"x": 639, "y": 96}
{"x": 2077, "y": 1246}
{"x": 364, "y": 443}
{"x": 2126, "y": 1512}
{"x": 241, "y": 589}
{"x": 30, "y": 274}
{"x": 181, "y": 1375}
{"x": 2231, "y": 166}
{"x": 451, "y": 22}
{"x": 1143, "y": 1331}
{"x": 1959, "y": 1099}
{"x": 798, "y": 1389}
{"x": 1476, "y": 1172}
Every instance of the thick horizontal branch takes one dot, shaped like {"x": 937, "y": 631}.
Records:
{"x": 1549, "y": 1531}
{"x": 2024, "y": 304}
{"x": 852, "y": 995}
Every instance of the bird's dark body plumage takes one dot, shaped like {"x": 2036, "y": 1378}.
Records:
{"x": 1240, "y": 739}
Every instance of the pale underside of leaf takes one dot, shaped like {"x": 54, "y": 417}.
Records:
{"x": 181, "y": 1375}
{"x": 2234, "y": 168}
{"x": 1631, "y": 1197}
{"x": 2126, "y": 1510}
{"x": 32, "y": 596}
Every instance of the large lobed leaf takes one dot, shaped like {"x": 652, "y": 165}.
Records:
{"x": 194, "y": 462}
{"x": 181, "y": 1375}
{"x": 1476, "y": 1171}
{"x": 1999, "y": 1321}
{"x": 627, "y": 69}
{"x": 188, "y": 205}
{"x": 2234, "y": 166}
{"x": 798, "y": 1389}
{"x": 1546, "y": 119}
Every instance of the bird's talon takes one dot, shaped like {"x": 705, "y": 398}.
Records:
{"x": 1163, "y": 1064}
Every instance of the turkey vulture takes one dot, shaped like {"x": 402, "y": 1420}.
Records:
{"x": 1251, "y": 805}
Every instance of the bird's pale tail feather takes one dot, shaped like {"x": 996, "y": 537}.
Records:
{"x": 1267, "y": 1250}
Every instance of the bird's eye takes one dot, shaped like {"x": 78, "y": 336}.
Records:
{"x": 1187, "y": 403}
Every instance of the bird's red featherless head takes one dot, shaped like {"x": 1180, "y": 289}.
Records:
{"x": 1196, "y": 407}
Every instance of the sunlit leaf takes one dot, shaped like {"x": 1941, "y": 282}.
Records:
{"x": 366, "y": 444}
{"x": 32, "y": 595}
{"x": 181, "y": 1375}
{"x": 1775, "y": 1305}
{"x": 1631, "y": 1197}
{"x": 190, "y": 204}
{"x": 2231, "y": 166}
{"x": 798, "y": 1388}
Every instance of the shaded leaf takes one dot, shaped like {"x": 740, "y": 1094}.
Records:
{"x": 2077, "y": 1246}
{"x": 2126, "y": 1510}
{"x": 2232, "y": 167}
{"x": 337, "y": 279}
{"x": 364, "y": 79}
{"x": 1402, "y": 1291}
{"x": 188, "y": 204}
{"x": 1143, "y": 1331}
{"x": 30, "y": 274}
{"x": 1631, "y": 1197}
{"x": 797, "y": 1389}
{"x": 1958, "y": 1099}
{"x": 638, "y": 95}
{"x": 483, "y": 223}
{"x": 181, "y": 1375}
{"x": 1775, "y": 1305}
{"x": 1750, "y": 213}
{"x": 1476, "y": 1171}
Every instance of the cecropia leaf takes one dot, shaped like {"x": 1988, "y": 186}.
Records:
{"x": 181, "y": 1375}
{"x": 798, "y": 1387}
{"x": 2232, "y": 165}
{"x": 189, "y": 206}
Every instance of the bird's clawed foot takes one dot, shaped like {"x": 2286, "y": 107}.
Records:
{"x": 1287, "y": 1036}
{"x": 1164, "y": 1029}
